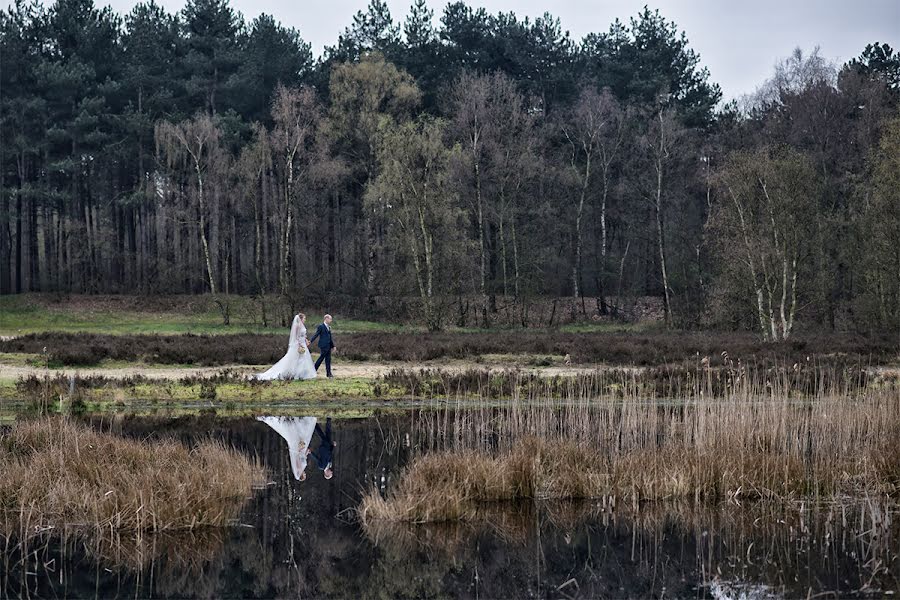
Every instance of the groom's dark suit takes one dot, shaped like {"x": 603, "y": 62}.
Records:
{"x": 326, "y": 343}
{"x": 325, "y": 453}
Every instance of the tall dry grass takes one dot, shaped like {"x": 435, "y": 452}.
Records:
{"x": 59, "y": 474}
{"x": 761, "y": 438}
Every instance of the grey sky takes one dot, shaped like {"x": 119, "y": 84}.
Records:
{"x": 739, "y": 41}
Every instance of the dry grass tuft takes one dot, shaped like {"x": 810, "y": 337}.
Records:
{"x": 58, "y": 474}
{"x": 447, "y": 486}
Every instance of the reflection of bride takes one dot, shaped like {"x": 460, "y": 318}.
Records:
{"x": 297, "y": 363}
{"x": 297, "y": 432}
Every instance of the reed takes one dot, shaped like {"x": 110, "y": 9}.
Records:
{"x": 758, "y": 436}
{"x": 59, "y": 474}
{"x": 809, "y": 378}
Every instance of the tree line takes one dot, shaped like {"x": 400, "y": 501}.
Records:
{"x": 488, "y": 160}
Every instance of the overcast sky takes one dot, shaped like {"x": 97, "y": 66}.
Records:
{"x": 739, "y": 41}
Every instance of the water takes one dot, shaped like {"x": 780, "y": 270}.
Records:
{"x": 300, "y": 539}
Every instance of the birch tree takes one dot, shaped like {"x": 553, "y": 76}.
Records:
{"x": 594, "y": 133}
{"x": 663, "y": 135}
{"x": 411, "y": 191}
{"x": 193, "y": 145}
{"x": 366, "y": 96}
{"x": 513, "y": 161}
{"x": 297, "y": 116}
{"x": 255, "y": 161}
{"x": 470, "y": 102}
{"x": 763, "y": 231}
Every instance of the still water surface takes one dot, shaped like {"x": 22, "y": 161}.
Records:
{"x": 300, "y": 539}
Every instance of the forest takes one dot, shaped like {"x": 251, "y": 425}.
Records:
{"x": 489, "y": 160}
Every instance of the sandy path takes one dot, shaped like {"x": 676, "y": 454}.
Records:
{"x": 341, "y": 370}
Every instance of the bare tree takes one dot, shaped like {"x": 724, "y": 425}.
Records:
{"x": 297, "y": 117}
{"x": 253, "y": 165}
{"x": 664, "y": 133}
{"x": 511, "y": 163}
{"x": 470, "y": 101}
{"x": 763, "y": 230}
{"x": 594, "y": 131}
{"x": 194, "y": 145}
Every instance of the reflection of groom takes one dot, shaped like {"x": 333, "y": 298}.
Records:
{"x": 326, "y": 344}
{"x": 324, "y": 454}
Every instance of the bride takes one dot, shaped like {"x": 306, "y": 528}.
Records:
{"x": 297, "y": 363}
{"x": 297, "y": 432}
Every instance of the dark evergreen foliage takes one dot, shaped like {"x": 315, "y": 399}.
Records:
{"x": 91, "y": 203}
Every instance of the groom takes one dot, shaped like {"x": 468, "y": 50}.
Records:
{"x": 326, "y": 344}
{"x": 324, "y": 456}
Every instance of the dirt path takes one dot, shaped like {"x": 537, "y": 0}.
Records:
{"x": 344, "y": 370}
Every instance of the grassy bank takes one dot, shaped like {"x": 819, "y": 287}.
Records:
{"x": 57, "y": 473}
{"x": 227, "y": 391}
{"x": 163, "y": 315}
{"x": 232, "y": 391}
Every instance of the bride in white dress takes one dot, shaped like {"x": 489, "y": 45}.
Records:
{"x": 297, "y": 432}
{"x": 297, "y": 363}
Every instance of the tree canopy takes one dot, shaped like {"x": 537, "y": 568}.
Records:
{"x": 469, "y": 166}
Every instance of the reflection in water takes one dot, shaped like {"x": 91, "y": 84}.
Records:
{"x": 324, "y": 455}
{"x": 559, "y": 549}
{"x": 297, "y": 432}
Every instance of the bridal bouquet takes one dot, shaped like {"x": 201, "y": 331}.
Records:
{"x": 301, "y": 349}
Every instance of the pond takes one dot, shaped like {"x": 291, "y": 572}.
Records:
{"x": 301, "y": 538}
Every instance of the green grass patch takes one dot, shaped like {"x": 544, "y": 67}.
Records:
{"x": 640, "y": 327}
{"x": 8, "y": 388}
{"x": 22, "y": 359}
{"x": 24, "y": 314}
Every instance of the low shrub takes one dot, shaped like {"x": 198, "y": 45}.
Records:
{"x": 611, "y": 349}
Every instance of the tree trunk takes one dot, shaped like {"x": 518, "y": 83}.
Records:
{"x": 257, "y": 248}
{"x": 503, "y": 256}
{"x": 660, "y": 230}
{"x": 603, "y": 212}
{"x": 19, "y": 256}
{"x": 576, "y": 268}
{"x": 203, "y": 241}
{"x": 621, "y": 279}
{"x": 515, "y": 246}
{"x": 480, "y": 208}
{"x": 288, "y": 211}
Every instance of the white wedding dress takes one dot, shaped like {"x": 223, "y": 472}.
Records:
{"x": 297, "y": 432}
{"x": 294, "y": 364}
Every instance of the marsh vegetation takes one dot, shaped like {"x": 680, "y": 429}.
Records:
{"x": 765, "y": 434}
{"x": 64, "y": 482}
{"x": 299, "y": 539}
